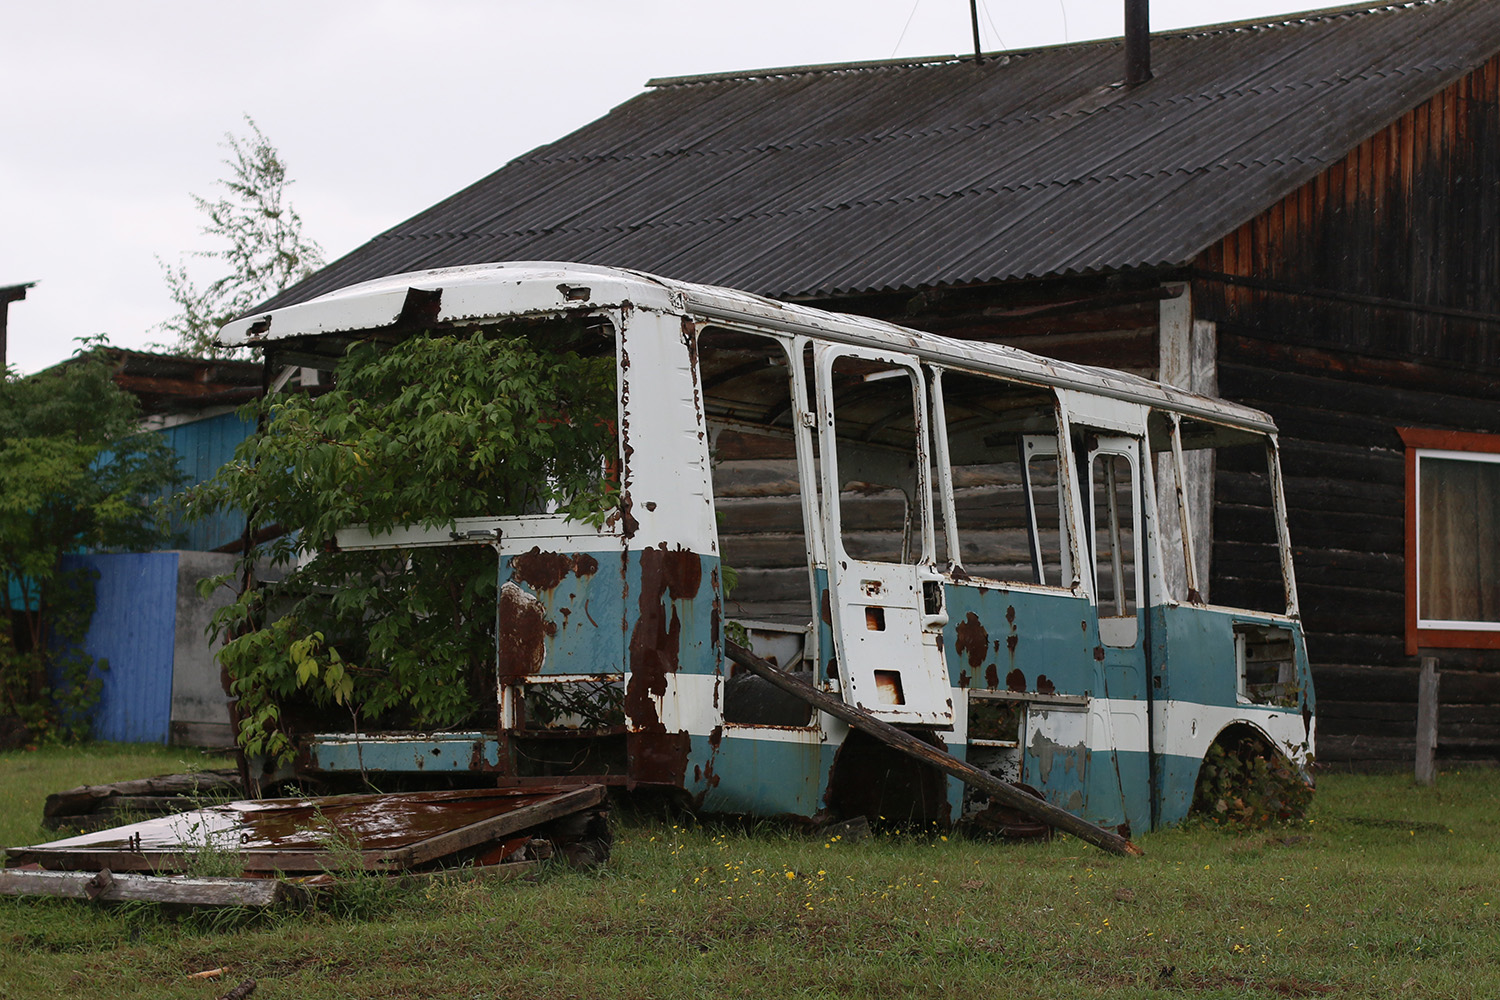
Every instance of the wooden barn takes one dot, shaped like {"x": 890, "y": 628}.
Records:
{"x": 1302, "y": 214}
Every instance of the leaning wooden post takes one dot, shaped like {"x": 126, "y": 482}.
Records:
{"x": 1427, "y": 722}
{"x": 1010, "y": 795}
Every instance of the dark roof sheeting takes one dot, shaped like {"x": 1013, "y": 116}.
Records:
{"x": 881, "y": 176}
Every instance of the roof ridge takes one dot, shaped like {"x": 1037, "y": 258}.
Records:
{"x": 1018, "y": 118}
{"x": 918, "y": 62}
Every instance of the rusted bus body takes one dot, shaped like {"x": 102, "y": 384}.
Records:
{"x": 969, "y": 541}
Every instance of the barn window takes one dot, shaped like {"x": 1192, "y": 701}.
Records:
{"x": 1452, "y": 539}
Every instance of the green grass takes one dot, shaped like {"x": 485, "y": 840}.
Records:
{"x": 28, "y": 777}
{"x": 1387, "y": 890}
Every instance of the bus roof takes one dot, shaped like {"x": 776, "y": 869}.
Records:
{"x": 485, "y": 293}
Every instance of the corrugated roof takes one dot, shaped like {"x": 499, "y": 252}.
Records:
{"x": 865, "y": 177}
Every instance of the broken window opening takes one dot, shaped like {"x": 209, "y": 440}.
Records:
{"x": 1240, "y": 560}
{"x": 880, "y": 476}
{"x": 1006, "y": 511}
{"x": 572, "y": 704}
{"x": 1264, "y": 656}
{"x": 1113, "y": 532}
{"x": 760, "y": 507}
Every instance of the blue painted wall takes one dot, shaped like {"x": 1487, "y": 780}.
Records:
{"x": 134, "y": 628}
{"x": 203, "y": 446}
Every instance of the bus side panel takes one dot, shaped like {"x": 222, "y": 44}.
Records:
{"x": 673, "y": 662}
{"x": 562, "y": 613}
{"x": 1197, "y": 698}
{"x": 1004, "y": 639}
{"x": 1024, "y": 642}
{"x": 749, "y": 773}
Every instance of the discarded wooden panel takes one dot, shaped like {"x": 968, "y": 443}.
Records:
{"x": 110, "y": 887}
{"x": 386, "y": 832}
{"x": 88, "y": 807}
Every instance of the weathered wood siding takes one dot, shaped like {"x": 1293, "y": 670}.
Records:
{"x": 1368, "y": 300}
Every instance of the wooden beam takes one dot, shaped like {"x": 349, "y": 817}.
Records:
{"x": 1427, "y": 721}
{"x": 502, "y": 825}
{"x": 108, "y": 887}
{"x": 897, "y": 739}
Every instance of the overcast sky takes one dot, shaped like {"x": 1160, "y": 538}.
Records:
{"x": 114, "y": 112}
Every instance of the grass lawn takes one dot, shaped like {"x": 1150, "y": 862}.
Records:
{"x": 1387, "y": 890}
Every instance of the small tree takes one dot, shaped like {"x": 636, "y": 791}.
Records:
{"x": 262, "y": 246}
{"x": 76, "y": 473}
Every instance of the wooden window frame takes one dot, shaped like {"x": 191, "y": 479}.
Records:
{"x": 1419, "y": 441}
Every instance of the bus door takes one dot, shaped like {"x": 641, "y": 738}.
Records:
{"x": 1114, "y": 491}
{"x": 886, "y": 598}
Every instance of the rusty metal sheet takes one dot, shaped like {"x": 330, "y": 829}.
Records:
{"x": 388, "y": 831}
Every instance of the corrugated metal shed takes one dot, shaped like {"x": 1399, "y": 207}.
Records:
{"x": 870, "y": 177}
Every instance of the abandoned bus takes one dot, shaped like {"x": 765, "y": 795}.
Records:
{"x": 1074, "y": 578}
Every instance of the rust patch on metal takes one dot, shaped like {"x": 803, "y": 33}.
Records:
{"x": 1011, "y": 641}
{"x": 1015, "y": 680}
{"x": 973, "y": 640}
{"x": 715, "y": 618}
{"x": 628, "y": 523}
{"x": 683, "y": 572}
{"x": 1044, "y": 685}
{"x": 1099, "y": 653}
{"x": 658, "y": 758}
{"x": 991, "y": 677}
{"x": 655, "y": 641}
{"x": 963, "y": 678}
{"x": 541, "y": 570}
{"x": 585, "y": 564}
{"x": 524, "y": 628}
{"x": 1010, "y": 615}
{"x": 825, "y": 609}
{"x": 715, "y": 736}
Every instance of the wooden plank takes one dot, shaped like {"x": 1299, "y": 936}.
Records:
{"x": 897, "y": 739}
{"x": 85, "y": 798}
{"x": 249, "y": 892}
{"x": 503, "y": 825}
{"x": 1427, "y": 722}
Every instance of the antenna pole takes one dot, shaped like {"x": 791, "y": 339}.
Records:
{"x": 974, "y": 18}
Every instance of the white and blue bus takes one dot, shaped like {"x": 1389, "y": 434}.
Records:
{"x": 1008, "y": 556}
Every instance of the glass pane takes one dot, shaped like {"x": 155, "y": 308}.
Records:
{"x": 1458, "y": 562}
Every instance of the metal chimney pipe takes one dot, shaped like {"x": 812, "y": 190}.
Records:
{"x": 1137, "y": 42}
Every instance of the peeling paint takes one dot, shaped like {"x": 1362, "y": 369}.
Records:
{"x": 524, "y": 627}
{"x": 541, "y": 570}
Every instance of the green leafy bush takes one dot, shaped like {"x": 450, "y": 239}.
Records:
{"x": 421, "y": 432}
{"x": 1244, "y": 783}
{"x": 77, "y": 473}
